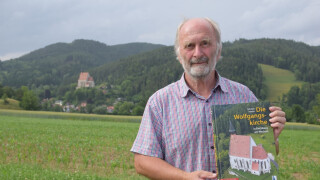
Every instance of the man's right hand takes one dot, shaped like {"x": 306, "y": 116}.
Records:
{"x": 199, "y": 175}
{"x": 155, "y": 168}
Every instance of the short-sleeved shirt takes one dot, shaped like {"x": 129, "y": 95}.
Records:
{"x": 177, "y": 125}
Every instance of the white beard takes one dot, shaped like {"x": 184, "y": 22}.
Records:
{"x": 199, "y": 71}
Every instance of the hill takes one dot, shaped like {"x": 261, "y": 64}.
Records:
{"x": 301, "y": 59}
{"x": 137, "y": 77}
{"x": 56, "y": 63}
{"x": 278, "y": 81}
{"x": 132, "y": 72}
{"x": 13, "y": 104}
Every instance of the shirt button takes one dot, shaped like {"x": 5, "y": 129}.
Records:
{"x": 210, "y": 124}
{"x": 212, "y": 147}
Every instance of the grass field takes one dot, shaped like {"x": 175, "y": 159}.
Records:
{"x": 278, "y": 81}
{"x": 42, "y": 145}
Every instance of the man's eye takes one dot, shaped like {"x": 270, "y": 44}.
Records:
{"x": 189, "y": 46}
{"x": 205, "y": 43}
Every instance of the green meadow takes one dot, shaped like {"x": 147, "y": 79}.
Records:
{"x": 47, "y": 145}
{"x": 278, "y": 81}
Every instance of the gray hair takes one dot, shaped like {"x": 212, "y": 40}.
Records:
{"x": 216, "y": 30}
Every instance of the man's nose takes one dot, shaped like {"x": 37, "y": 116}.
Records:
{"x": 197, "y": 52}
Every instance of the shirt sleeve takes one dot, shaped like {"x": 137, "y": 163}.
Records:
{"x": 252, "y": 97}
{"x": 148, "y": 140}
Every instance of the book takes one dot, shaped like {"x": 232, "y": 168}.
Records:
{"x": 245, "y": 147}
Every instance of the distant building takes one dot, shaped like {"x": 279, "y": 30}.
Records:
{"x": 85, "y": 80}
{"x": 110, "y": 109}
{"x": 68, "y": 107}
{"x": 58, "y": 103}
{"x": 83, "y": 104}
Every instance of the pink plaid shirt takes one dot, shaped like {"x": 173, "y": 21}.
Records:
{"x": 177, "y": 125}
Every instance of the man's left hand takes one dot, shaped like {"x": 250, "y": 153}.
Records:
{"x": 277, "y": 119}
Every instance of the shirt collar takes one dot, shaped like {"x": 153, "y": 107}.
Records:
{"x": 221, "y": 81}
{"x": 184, "y": 88}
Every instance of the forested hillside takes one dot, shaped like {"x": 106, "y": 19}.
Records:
{"x": 300, "y": 58}
{"x": 126, "y": 75}
{"x": 137, "y": 77}
{"x": 56, "y": 63}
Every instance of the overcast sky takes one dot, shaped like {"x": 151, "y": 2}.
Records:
{"x": 27, "y": 25}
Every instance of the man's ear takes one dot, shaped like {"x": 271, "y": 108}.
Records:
{"x": 179, "y": 59}
{"x": 219, "y": 54}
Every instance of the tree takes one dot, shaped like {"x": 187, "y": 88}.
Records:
{"x": 8, "y": 90}
{"x": 100, "y": 110}
{"x": 124, "y": 108}
{"x": 316, "y": 109}
{"x": 293, "y": 96}
{"x": 137, "y": 110}
{"x": 47, "y": 94}
{"x": 29, "y": 101}
{"x": 298, "y": 114}
{"x": 5, "y": 99}
{"x": 1, "y": 90}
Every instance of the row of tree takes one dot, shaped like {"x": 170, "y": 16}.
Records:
{"x": 297, "y": 57}
{"x": 61, "y": 63}
{"x": 52, "y": 72}
{"x": 302, "y": 104}
{"x": 28, "y": 99}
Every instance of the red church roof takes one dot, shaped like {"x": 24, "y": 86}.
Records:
{"x": 240, "y": 146}
{"x": 84, "y": 76}
{"x": 258, "y": 152}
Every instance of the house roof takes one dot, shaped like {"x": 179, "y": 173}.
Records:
{"x": 259, "y": 153}
{"x": 239, "y": 146}
{"x": 110, "y": 107}
{"x": 84, "y": 76}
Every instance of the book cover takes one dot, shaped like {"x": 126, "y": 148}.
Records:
{"x": 244, "y": 142}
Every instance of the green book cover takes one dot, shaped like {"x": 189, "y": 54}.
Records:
{"x": 244, "y": 142}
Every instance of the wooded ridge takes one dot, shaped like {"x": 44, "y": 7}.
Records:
{"x": 132, "y": 72}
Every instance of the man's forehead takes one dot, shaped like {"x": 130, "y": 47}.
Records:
{"x": 196, "y": 36}
{"x": 190, "y": 39}
{"x": 193, "y": 28}
{"x": 196, "y": 26}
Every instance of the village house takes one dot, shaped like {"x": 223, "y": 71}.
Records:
{"x": 110, "y": 109}
{"x": 58, "y": 103}
{"x": 68, "y": 107}
{"x": 85, "y": 80}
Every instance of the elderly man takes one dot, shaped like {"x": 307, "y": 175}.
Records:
{"x": 175, "y": 136}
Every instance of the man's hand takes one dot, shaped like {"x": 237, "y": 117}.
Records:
{"x": 199, "y": 175}
{"x": 156, "y": 168}
{"x": 277, "y": 119}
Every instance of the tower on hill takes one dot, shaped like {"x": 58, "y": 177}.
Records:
{"x": 85, "y": 80}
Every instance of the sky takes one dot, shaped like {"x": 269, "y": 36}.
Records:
{"x": 28, "y": 25}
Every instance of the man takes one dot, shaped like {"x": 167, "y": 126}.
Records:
{"x": 175, "y": 136}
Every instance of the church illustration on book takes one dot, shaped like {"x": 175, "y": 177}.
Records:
{"x": 245, "y": 155}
